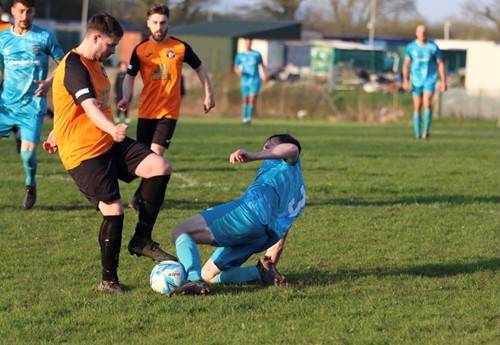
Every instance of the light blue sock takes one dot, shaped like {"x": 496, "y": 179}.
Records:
{"x": 416, "y": 124}
{"x": 30, "y": 164}
{"x": 244, "y": 111}
{"x": 250, "y": 112}
{"x": 427, "y": 120}
{"x": 238, "y": 275}
{"x": 189, "y": 256}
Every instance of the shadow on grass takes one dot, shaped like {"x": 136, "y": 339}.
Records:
{"x": 40, "y": 207}
{"x": 198, "y": 205}
{"x": 409, "y": 200}
{"x": 316, "y": 277}
{"x": 204, "y": 168}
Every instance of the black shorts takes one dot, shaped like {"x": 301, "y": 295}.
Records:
{"x": 155, "y": 131}
{"x": 97, "y": 178}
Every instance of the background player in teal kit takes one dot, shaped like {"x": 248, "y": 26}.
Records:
{"x": 24, "y": 60}
{"x": 426, "y": 63}
{"x": 259, "y": 220}
{"x": 247, "y": 65}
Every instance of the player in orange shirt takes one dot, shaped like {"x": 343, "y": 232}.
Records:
{"x": 97, "y": 153}
{"x": 3, "y": 25}
{"x": 159, "y": 59}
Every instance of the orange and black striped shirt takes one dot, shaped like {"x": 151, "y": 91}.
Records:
{"x": 160, "y": 65}
{"x": 78, "y": 138}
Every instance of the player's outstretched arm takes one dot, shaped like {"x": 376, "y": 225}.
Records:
{"x": 288, "y": 152}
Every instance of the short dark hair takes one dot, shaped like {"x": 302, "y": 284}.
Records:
{"x": 286, "y": 139}
{"x": 105, "y": 24}
{"x": 27, "y": 3}
{"x": 158, "y": 8}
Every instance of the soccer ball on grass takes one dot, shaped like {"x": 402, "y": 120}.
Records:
{"x": 167, "y": 276}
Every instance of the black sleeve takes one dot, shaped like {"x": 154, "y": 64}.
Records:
{"x": 77, "y": 79}
{"x": 190, "y": 57}
{"x": 135, "y": 63}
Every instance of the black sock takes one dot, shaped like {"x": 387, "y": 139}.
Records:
{"x": 152, "y": 195}
{"x": 110, "y": 240}
{"x": 137, "y": 194}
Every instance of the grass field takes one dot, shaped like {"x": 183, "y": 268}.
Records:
{"x": 398, "y": 244}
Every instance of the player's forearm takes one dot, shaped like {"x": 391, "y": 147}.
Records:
{"x": 289, "y": 152}
{"x": 442, "y": 72}
{"x": 127, "y": 87}
{"x": 205, "y": 80}
{"x": 275, "y": 251}
{"x": 97, "y": 116}
{"x": 406, "y": 69}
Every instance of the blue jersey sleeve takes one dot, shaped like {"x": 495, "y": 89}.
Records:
{"x": 55, "y": 49}
{"x": 237, "y": 60}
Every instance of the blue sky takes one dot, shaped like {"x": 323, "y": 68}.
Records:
{"x": 438, "y": 10}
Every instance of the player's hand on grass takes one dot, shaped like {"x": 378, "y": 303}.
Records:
{"x": 50, "y": 145}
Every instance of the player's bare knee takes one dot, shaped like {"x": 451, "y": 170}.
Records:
{"x": 178, "y": 230}
{"x": 162, "y": 167}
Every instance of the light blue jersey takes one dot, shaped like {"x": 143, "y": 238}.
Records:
{"x": 257, "y": 220}
{"x": 25, "y": 58}
{"x": 250, "y": 81}
{"x": 423, "y": 62}
{"x": 249, "y": 62}
{"x": 278, "y": 195}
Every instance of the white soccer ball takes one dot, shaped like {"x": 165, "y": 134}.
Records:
{"x": 167, "y": 276}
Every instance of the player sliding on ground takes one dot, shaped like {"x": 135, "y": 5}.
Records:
{"x": 259, "y": 220}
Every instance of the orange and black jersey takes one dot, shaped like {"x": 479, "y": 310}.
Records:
{"x": 76, "y": 80}
{"x": 160, "y": 65}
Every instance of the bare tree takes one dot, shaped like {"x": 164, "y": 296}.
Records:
{"x": 478, "y": 10}
{"x": 187, "y": 11}
{"x": 349, "y": 13}
{"x": 281, "y": 9}
{"x": 396, "y": 10}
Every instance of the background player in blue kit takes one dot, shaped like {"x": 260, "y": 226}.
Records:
{"x": 24, "y": 59}
{"x": 247, "y": 65}
{"x": 259, "y": 220}
{"x": 426, "y": 63}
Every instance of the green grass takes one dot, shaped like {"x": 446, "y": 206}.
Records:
{"x": 398, "y": 244}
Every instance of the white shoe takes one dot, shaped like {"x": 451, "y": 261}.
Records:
{"x": 128, "y": 120}
{"x": 117, "y": 120}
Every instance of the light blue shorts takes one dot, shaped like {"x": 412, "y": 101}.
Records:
{"x": 238, "y": 233}
{"x": 250, "y": 86}
{"x": 428, "y": 86}
{"x": 30, "y": 125}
